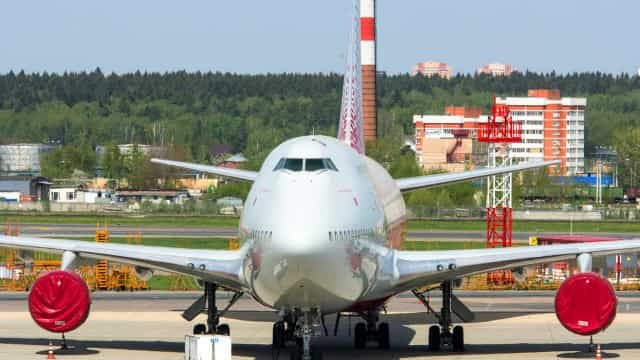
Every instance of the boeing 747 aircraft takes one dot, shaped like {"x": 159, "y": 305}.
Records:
{"x": 320, "y": 234}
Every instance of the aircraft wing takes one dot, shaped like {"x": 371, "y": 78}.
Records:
{"x": 415, "y": 269}
{"x": 221, "y": 267}
{"x": 415, "y": 183}
{"x": 245, "y": 175}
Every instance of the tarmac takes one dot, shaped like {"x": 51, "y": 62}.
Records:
{"x": 509, "y": 325}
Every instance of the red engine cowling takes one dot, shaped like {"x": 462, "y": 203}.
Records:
{"x": 59, "y": 301}
{"x": 586, "y": 304}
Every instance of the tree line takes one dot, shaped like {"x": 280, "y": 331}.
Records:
{"x": 190, "y": 112}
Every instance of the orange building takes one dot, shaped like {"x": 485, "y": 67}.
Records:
{"x": 553, "y": 129}
{"x": 446, "y": 141}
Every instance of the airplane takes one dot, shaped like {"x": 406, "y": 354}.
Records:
{"x": 320, "y": 234}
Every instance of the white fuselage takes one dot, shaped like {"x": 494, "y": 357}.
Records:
{"x": 320, "y": 232}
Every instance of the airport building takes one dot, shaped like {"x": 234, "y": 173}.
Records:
{"x": 495, "y": 69}
{"x": 553, "y": 129}
{"x": 432, "y": 68}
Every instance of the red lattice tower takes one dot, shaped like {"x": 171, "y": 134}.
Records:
{"x": 500, "y": 131}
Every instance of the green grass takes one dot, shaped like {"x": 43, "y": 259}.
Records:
{"x": 150, "y": 220}
{"x": 190, "y": 243}
{"x": 529, "y": 226}
{"x": 444, "y": 245}
{"x": 163, "y": 282}
{"x": 441, "y": 245}
{"x": 232, "y": 222}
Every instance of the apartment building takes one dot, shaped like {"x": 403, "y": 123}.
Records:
{"x": 553, "y": 129}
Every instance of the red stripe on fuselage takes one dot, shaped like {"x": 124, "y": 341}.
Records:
{"x": 368, "y": 29}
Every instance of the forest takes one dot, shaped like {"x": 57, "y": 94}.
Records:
{"x": 254, "y": 113}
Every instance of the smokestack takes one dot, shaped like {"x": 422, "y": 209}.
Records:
{"x": 368, "y": 56}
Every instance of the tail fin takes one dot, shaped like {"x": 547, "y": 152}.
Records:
{"x": 351, "y": 130}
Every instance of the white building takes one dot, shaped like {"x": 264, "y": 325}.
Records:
{"x": 495, "y": 69}
{"x": 75, "y": 195}
{"x": 553, "y": 129}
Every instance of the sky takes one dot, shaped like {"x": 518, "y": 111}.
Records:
{"x": 257, "y": 36}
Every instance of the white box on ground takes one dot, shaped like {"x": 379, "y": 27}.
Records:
{"x": 207, "y": 347}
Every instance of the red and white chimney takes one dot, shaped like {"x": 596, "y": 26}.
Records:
{"x": 368, "y": 58}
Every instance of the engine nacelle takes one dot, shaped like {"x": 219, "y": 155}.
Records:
{"x": 143, "y": 273}
{"x": 59, "y": 301}
{"x": 586, "y": 304}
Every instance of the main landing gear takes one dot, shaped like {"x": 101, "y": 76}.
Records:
{"x": 208, "y": 303}
{"x": 445, "y": 334}
{"x": 371, "y": 331}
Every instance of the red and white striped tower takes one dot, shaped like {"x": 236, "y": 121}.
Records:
{"x": 368, "y": 56}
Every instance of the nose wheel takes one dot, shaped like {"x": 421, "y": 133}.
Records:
{"x": 279, "y": 338}
{"x": 300, "y": 328}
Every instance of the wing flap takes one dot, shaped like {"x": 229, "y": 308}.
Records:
{"x": 415, "y": 183}
{"x": 245, "y": 175}
{"x": 221, "y": 267}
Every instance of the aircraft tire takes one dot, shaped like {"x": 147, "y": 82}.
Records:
{"x": 199, "y": 329}
{"x": 458, "y": 339}
{"x": 360, "y": 336}
{"x": 223, "y": 330}
{"x": 434, "y": 338}
{"x": 279, "y": 335}
{"x": 383, "y": 336}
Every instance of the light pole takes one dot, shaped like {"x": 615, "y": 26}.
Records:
{"x": 632, "y": 170}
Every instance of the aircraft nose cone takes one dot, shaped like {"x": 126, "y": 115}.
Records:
{"x": 305, "y": 270}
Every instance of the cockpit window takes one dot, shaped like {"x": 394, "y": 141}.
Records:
{"x": 290, "y": 164}
{"x": 330, "y": 165}
{"x": 311, "y": 165}
{"x": 314, "y": 165}
{"x": 319, "y": 164}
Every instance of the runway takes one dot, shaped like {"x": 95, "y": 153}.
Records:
{"x": 510, "y": 325}
{"x": 77, "y": 230}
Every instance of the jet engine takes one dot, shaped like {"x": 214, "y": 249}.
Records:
{"x": 59, "y": 301}
{"x": 586, "y": 304}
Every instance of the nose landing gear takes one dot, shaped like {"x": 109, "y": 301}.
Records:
{"x": 301, "y": 328}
